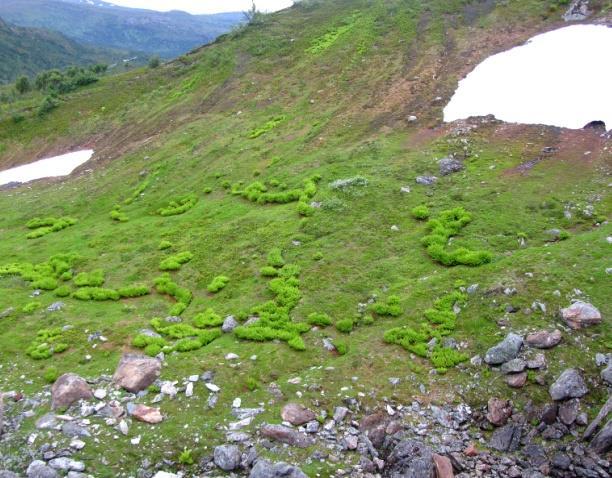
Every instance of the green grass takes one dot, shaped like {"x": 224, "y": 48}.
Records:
{"x": 168, "y": 134}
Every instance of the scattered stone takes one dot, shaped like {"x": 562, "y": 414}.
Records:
{"x": 66, "y": 464}
{"x": 297, "y": 414}
{"x": 568, "y": 411}
{"x": 411, "y": 459}
{"x": 100, "y": 393}
{"x": 55, "y": 307}
{"x": 577, "y": 11}
{"x": 513, "y": 366}
{"x": 68, "y": 389}
{"x": 450, "y": 165}
{"x": 606, "y": 374}
{"x": 506, "y": 438}
{"x": 146, "y": 414}
{"x": 602, "y": 443}
{"x": 165, "y": 474}
{"x": 71, "y": 429}
{"x": 136, "y": 372}
{"x": 405, "y": 189}
{"x": 285, "y": 435}
{"x": 227, "y": 457}
{"x": 444, "y": 467}
{"x": 580, "y": 315}
{"x": 266, "y": 469}
{"x": 232, "y": 356}
{"x": 498, "y": 411}
{"x": 39, "y": 469}
{"x": 189, "y": 390}
{"x": 537, "y": 362}
{"x": 570, "y": 384}
{"x": 212, "y": 387}
{"x": 426, "y": 180}
{"x": 340, "y": 414}
{"x": 47, "y": 421}
{"x": 229, "y": 324}
{"x": 544, "y": 339}
{"x": 516, "y": 380}
{"x": 505, "y": 350}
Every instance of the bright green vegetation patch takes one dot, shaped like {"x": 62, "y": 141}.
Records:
{"x": 174, "y": 262}
{"x": 273, "y": 317}
{"x": 90, "y": 279}
{"x": 30, "y": 307}
{"x": 44, "y": 226}
{"x": 118, "y": 215}
{"x": 217, "y": 284}
{"x": 208, "y": 318}
{"x": 448, "y": 224}
{"x": 178, "y": 206}
{"x": 345, "y": 325}
{"x": 391, "y": 307}
{"x": 163, "y": 245}
{"x": 188, "y": 337}
{"x": 322, "y": 43}
{"x": 183, "y": 296}
{"x": 137, "y": 290}
{"x": 95, "y": 293}
{"x": 47, "y": 343}
{"x": 319, "y": 319}
{"x": 441, "y": 321}
{"x": 420, "y": 212}
{"x": 268, "y": 126}
{"x": 45, "y": 275}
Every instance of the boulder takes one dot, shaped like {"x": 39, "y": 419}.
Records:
{"x": 602, "y": 443}
{"x": 8, "y": 474}
{"x": 374, "y": 427}
{"x": 516, "y": 380}
{"x": 229, "y": 324}
{"x": 297, "y": 414}
{"x": 606, "y": 374}
{"x": 506, "y": 438}
{"x": 136, "y": 372}
{"x": 569, "y": 410}
{"x": 570, "y": 384}
{"x": 411, "y": 459}
{"x": 580, "y": 315}
{"x": 67, "y": 389}
{"x": 266, "y": 469}
{"x": 498, "y": 411}
{"x": 285, "y": 435}
{"x": 504, "y": 351}
{"x": 577, "y": 11}
{"x": 449, "y": 166}
{"x": 544, "y": 339}
{"x": 227, "y": 457}
{"x": 444, "y": 467}
{"x": 146, "y": 414}
{"x": 39, "y": 469}
{"x": 66, "y": 464}
{"x": 513, "y": 366}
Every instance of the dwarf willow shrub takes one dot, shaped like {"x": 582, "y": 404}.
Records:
{"x": 174, "y": 263}
{"x": 345, "y": 325}
{"x": 30, "y": 307}
{"x": 305, "y": 209}
{"x": 443, "y": 358}
{"x": 268, "y": 126}
{"x": 45, "y": 283}
{"x": 275, "y": 258}
{"x": 183, "y": 296}
{"x": 420, "y": 212}
{"x": 341, "y": 346}
{"x": 163, "y": 245}
{"x": 217, "y": 284}
{"x": 268, "y": 271}
{"x": 178, "y": 206}
{"x": 448, "y": 224}
{"x": 51, "y": 374}
{"x": 189, "y": 337}
{"x": 208, "y": 318}
{"x": 62, "y": 291}
{"x": 95, "y": 293}
{"x": 151, "y": 345}
{"x": 319, "y": 319}
{"x": 44, "y": 226}
{"x": 118, "y": 215}
{"x": 46, "y": 343}
{"x": 258, "y": 192}
{"x": 94, "y": 278}
{"x": 322, "y": 43}
{"x": 132, "y": 291}
{"x": 43, "y": 275}
{"x": 391, "y": 307}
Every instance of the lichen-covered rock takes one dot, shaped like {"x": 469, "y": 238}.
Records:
{"x": 136, "y": 372}
{"x": 411, "y": 459}
{"x": 580, "y": 315}
{"x": 504, "y": 351}
{"x": 68, "y": 389}
{"x": 570, "y": 384}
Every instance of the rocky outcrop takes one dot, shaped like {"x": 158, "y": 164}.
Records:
{"x": 577, "y": 11}
{"x": 136, "y": 372}
{"x": 411, "y": 459}
{"x": 602, "y": 443}
{"x": 68, "y": 389}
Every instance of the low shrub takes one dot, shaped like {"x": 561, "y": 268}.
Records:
{"x": 117, "y": 215}
{"x": 341, "y": 347}
{"x": 420, "y": 212}
{"x": 305, "y": 209}
{"x": 42, "y": 227}
{"x": 62, "y": 291}
{"x": 30, "y": 307}
{"x": 163, "y": 245}
{"x": 208, "y": 318}
{"x": 90, "y": 279}
{"x": 217, "y": 284}
{"x": 268, "y": 126}
{"x": 268, "y": 271}
{"x": 319, "y": 319}
{"x": 95, "y": 293}
{"x": 133, "y": 291}
{"x": 46, "y": 343}
{"x": 275, "y": 258}
{"x": 178, "y": 206}
{"x": 183, "y": 296}
{"x": 445, "y": 358}
{"x": 174, "y": 263}
{"x": 45, "y": 283}
{"x": 345, "y": 325}
{"x": 391, "y": 307}
{"x": 51, "y": 374}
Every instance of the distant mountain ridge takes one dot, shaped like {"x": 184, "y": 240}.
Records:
{"x": 103, "y": 24}
{"x": 27, "y": 51}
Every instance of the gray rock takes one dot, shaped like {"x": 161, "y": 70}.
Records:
{"x": 229, "y": 324}
{"x": 472, "y": 289}
{"x": 506, "y": 438}
{"x": 544, "y": 339}
{"x": 8, "y": 474}
{"x": 504, "y": 351}
{"x": 513, "y": 366}
{"x": 312, "y": 427}
{"x": 266, "y": 469}
{"x": 580, "y": 315}
{"x": 426, "y": 180}
{"x": 570, "y": 384}
{"x": 39, "y": 469}
{"x": 601, "y": 359}
{"x": 602, "y": 443}
{"x": 340, "y": 414}
{"x": 569, "y": 410}
{"x": 71, "y": 429}
{"x": 7, "y": 312}
{"x": 411, "y": 459}
{"x": 227, "y": 457}
{"x": 449, "y": 166}
{"x": 577, "y": 11}
{"x": 136, "y": 372}
{"x": 56, "y": 306}
{"x": 68, "y": 389}
{"x": 66, "y": 464}
{"x": 286, "y": 435}
{"x": 606, "y": 374}
{"x": 47, "y": 421}
{"x": 297, "y": 414}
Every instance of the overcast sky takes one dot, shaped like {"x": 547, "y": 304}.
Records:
{"x": 205, "y": 6}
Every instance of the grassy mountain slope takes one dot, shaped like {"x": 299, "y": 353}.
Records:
{"x": 167, "y": 34}
{"x": 27, "y": 51}
{"x": 326, "y": 88}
